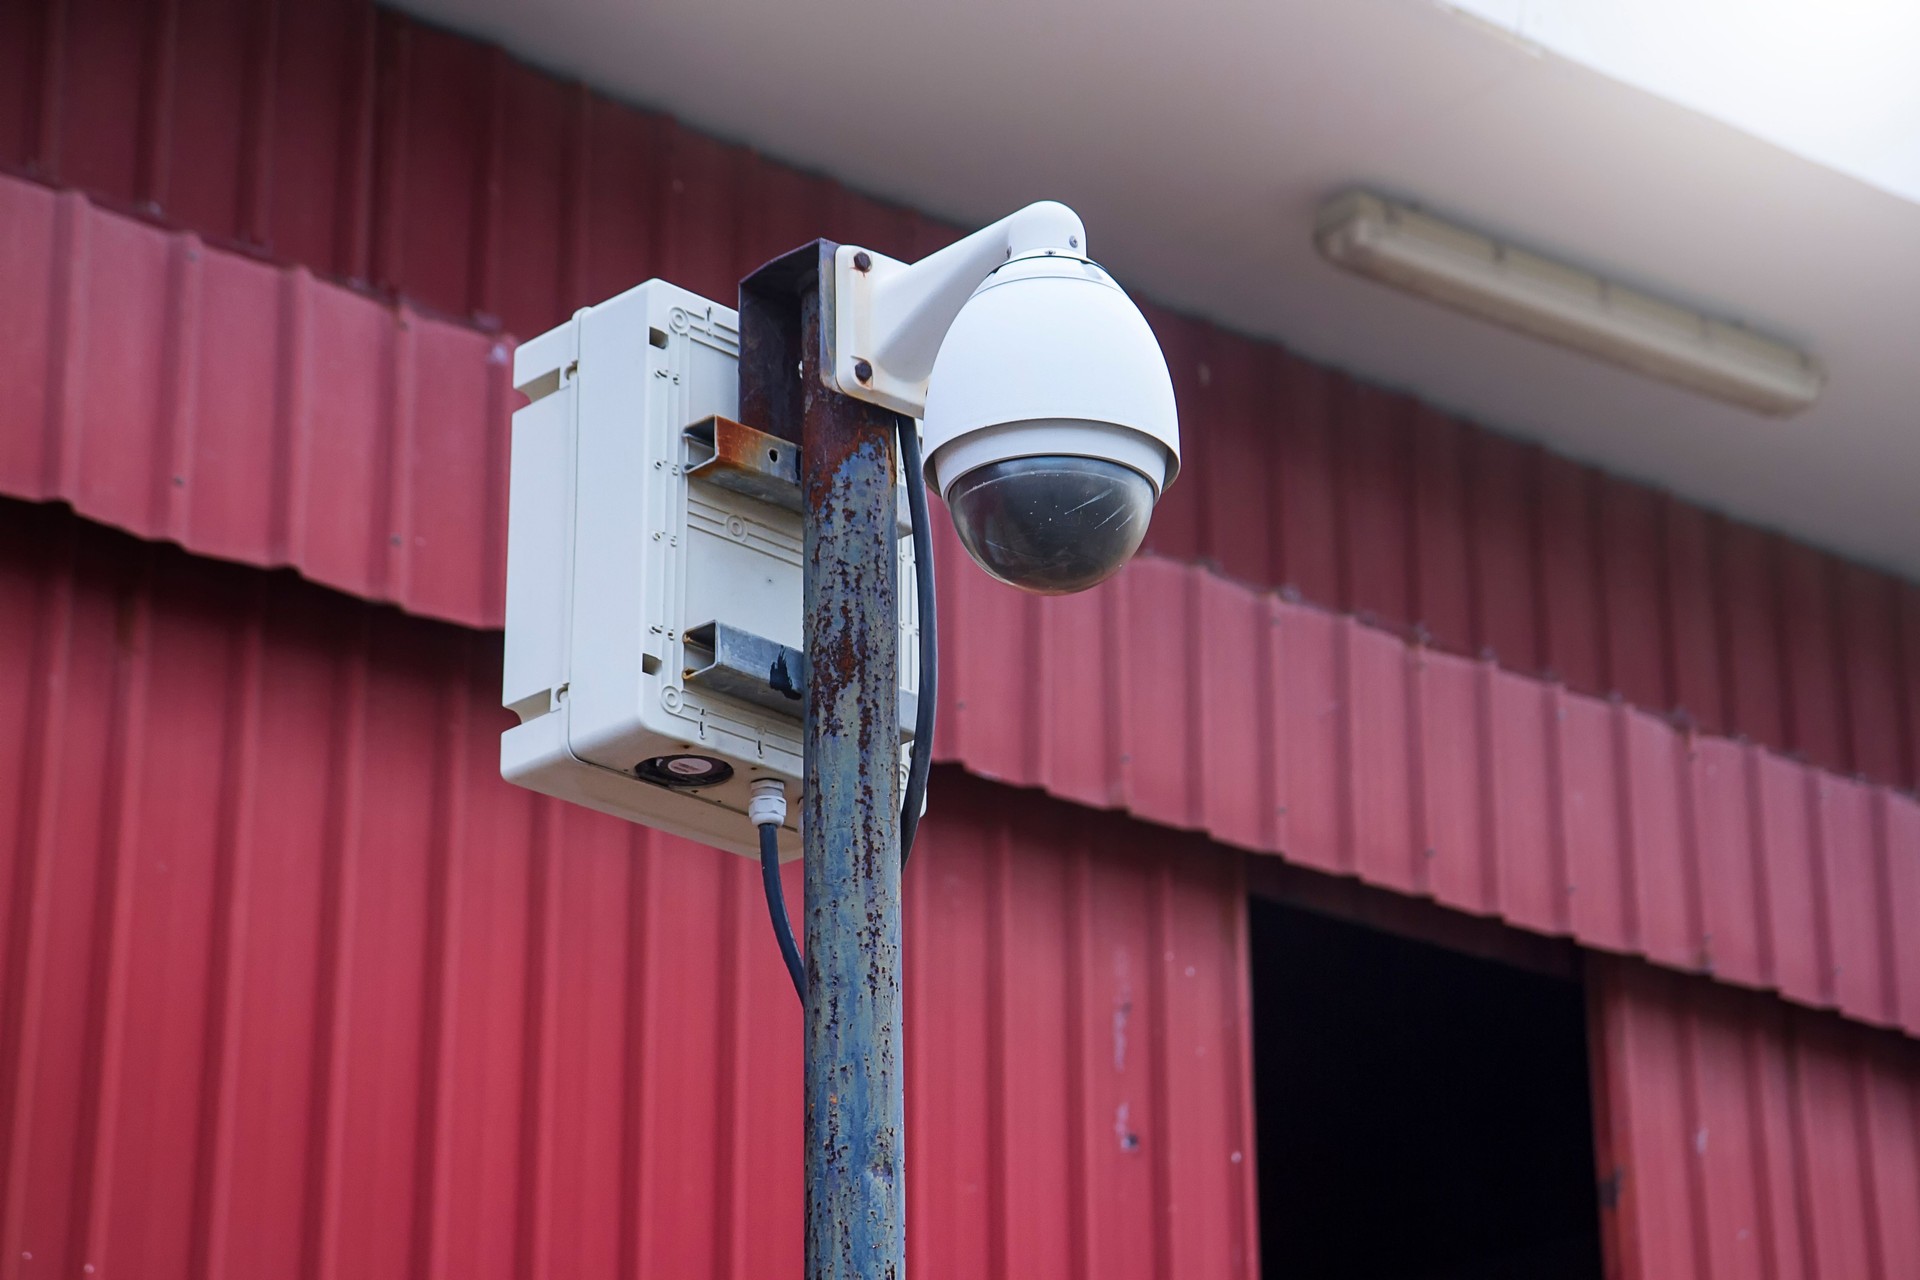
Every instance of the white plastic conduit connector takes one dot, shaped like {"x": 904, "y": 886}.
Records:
{"x": 768, "y": 802}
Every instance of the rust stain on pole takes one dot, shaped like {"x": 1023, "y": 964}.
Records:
{"x": 856, "y": 1170}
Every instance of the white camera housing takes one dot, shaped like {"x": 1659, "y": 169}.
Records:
{"x": 1050, "y": 423}
{"x": 653, "y": 586}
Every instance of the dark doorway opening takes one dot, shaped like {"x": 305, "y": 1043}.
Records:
{"x": 1423, "y": 1114}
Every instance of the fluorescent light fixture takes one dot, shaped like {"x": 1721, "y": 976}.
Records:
{"x": 1404, "y": 247}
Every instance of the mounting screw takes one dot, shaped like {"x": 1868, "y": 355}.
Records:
{"x": 863, "y": 261}
{"x": 863, "y": 370}
{"x": 1073, "y": 242}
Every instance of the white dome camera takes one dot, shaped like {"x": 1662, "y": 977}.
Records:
{"x": 1050, "y": 428}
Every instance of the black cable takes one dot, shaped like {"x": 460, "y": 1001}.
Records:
{"x": 922, "y": 760}
{"x": 777, "y": 908}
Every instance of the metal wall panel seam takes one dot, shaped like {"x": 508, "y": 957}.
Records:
{"x": 1871, "y": 670}
{"x": 1075, "y": 941}
{"x": 1238, "y": 1014}
{"x": 1900, "y": 825}
{"x": 340, "y": 843}
{"x": 66, "y": 345}
{"x": 1870, "y": 1202}
{"x": 731, "y": 1124}
{"x": 43, "y": 740}
{"x": 1271, "y": 727}
{"x": 1831, "y": 1171}
{"x": 292, "y": 403}
{"x": 1561, "y": 882}
{"x": 1696, "y": 1137}
{"x": 1787, "y": 835}
{"x": 642, "y": 998}
{"x": 534, "y": 1182}
{"x": 107, "y": 966}
{"x": 1687, "y": 581}
{"x": 1854, "y": 875}
{"x": 1688, "y": 776}
{"x": 1766, "y": 1167}
{"x": 175, "y": 419}
{"x": 1486, "y": 793}
{"x": 1766, "y": 965}
{"x": 1718, "y": 838}
{"x": 358, "y": 107}
{"x": 252, "y": 191}
{"x": 1159, "y": 959}
{"x": 1419, "y": 826}
{"x": 1503, "y": 525}
{"x": 1000, "y": 1076}
{"x": 1632, "y": 930}
{"x": 219, "y": 1098}
{"x": 438, "y": 1054}
{"x": 1802, "y": 1174}
{"x": 1347, "y": 766}
{"x": 386, "y": 143}
{"x": 1814, "y": 789}
{"x": 152, "y": 171}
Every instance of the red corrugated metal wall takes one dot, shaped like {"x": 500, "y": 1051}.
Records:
{"x": 294, "y": 985}
{"x": 248, "y": 411}
{"x": 428, "y": 167}
{"x": 1746, "y": 1140}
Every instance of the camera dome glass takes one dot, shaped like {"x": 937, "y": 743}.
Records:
{"x": 1051, "y": 525}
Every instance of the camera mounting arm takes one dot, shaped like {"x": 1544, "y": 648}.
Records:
{"x": 889, "y": 317}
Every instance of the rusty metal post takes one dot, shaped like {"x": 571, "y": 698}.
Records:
{"x": 855, "y": 1117}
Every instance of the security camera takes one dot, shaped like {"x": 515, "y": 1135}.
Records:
{"x": 1049, "y": 420}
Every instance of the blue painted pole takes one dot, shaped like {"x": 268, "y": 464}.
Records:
{"x": 855, "y": 1119}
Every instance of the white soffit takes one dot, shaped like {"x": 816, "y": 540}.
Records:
{"x": 1835, "y": 82}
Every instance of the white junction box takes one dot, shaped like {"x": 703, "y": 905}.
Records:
{"x": 654, "y": 576}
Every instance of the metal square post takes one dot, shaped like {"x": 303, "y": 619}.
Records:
{"x": 850, "y": 813}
